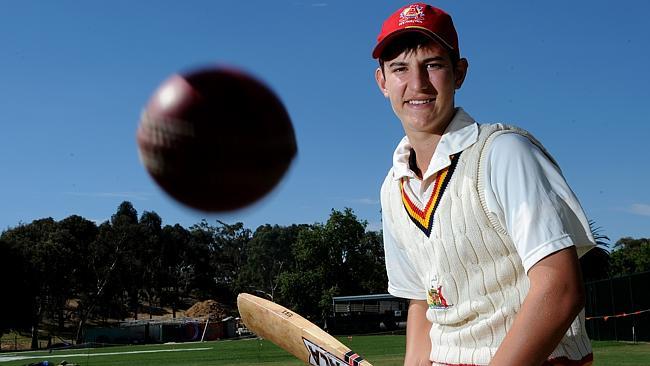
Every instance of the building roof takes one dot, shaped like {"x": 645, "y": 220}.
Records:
{"x": 364, "y": 297}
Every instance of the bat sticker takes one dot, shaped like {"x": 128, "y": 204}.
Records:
{"x": 320, "y": 357}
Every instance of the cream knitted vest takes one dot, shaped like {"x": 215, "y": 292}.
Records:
{"x": 469, "y": 262}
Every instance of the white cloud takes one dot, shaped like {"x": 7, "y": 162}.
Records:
{"x": 374, "y": 226}
{"x": 366, "y": 201}
{"x": 640, "y": 209}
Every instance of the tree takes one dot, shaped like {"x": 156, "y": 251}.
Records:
{"x": 111, "y": 269}
{"x": 338, "y": 258}
{"x": 630, "y": 256}
{"x": 102, "y": 295}
{"x": 15, "y": 311}
{"x": 228, "y": 258}
{"x": 126, "y": 235}
{"x": 371, "y": 272}
{"x": 303, "y": 286}
{"x": 216, "y": 255}
{"x": 40, "y": 254}
{"x": 60, "y": 266}
{"x": 595, "y": 263}
{"x": 268, "y": 254}
{"x": 150, "y": 253}
{"x": 81, "y": 234}
{"x": 199, "y": 268}
{"x": 175, "y": 265}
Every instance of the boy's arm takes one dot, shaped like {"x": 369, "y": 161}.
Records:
{"x": 555, "y": 298}
{"x": 418, "y": 343}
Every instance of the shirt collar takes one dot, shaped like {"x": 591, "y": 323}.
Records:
{"x": 461, "y": 133}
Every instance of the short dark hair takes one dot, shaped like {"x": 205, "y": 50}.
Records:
{"x": 409, "y": 42}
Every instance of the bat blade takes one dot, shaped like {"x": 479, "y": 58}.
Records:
{"x": 295, "y": 334}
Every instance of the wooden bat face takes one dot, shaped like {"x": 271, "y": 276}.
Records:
{"x": 294, "y": 333}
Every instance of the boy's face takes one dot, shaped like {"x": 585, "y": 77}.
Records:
{"x": 420, "y": 86}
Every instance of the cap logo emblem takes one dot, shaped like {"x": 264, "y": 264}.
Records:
{"x": 411, "y": 14}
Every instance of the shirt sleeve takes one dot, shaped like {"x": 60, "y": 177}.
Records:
{"x": 532, "y": 200}
{"x": 402, "y": 279}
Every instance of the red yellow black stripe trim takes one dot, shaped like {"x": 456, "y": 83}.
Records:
{"x": 423, "y": 217}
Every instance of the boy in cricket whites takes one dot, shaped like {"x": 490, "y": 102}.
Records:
{"x": 481, "y": 231}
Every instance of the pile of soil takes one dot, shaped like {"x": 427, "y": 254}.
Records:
{"x": 207, "y": 308}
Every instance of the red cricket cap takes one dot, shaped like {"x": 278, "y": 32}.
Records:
{"x": 423, "y": 18}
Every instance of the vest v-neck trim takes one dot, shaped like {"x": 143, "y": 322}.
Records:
{"x": 422, "y": 216}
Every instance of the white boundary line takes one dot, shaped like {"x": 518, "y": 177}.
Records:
{"x": 18, "y": 358}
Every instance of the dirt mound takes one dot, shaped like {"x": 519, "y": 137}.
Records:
{"x": 207, "y": 308}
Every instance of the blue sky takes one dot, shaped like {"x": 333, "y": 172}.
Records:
{"x": 75, "y": 75}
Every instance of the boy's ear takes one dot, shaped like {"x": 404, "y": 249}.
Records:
{"x": 381, "y": 81}
{"x": 460, "y": 71}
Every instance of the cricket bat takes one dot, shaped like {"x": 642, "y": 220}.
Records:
{"x": 294, "y": 333}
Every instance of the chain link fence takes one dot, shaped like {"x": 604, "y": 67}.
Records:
{"x": 619, "y": 308}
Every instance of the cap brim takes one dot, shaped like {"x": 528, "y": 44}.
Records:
{"x": 379, "y": 48}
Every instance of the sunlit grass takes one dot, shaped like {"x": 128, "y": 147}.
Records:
{"x": 381, "y": 350}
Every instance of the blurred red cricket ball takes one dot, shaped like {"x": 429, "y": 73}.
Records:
{"x": 216, "y": 139}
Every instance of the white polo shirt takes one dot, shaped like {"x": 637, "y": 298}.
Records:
{"x": 523, "y": 188}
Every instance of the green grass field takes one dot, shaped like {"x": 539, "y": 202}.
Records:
{"x": 386, "y": 350}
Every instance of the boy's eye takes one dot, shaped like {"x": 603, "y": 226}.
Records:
{"x": 435, "y": 66}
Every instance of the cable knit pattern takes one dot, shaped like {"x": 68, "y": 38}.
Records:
{"x": 470, "y": 259}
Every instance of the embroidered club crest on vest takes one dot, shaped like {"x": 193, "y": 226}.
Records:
{"x": 436, "y": 300}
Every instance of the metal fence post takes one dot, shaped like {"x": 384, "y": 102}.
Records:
{"x": 632, "y": 307}
{"x": 611, "y": 295}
